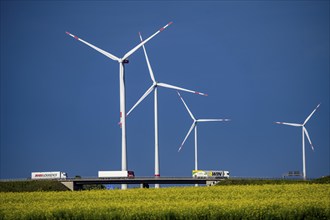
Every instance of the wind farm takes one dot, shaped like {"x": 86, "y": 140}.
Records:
{"x": 94, "y": 110}
{"x": 154, "y": 88}
{"x": 249, "y": 72}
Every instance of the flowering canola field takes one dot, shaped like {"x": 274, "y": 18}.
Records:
{"x": 286, "y": 201}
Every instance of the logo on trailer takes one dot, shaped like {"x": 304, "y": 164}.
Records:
{"x": 216, "y": 173}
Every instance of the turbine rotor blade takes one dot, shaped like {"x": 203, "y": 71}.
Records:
{"x": 290, "y": 124}
{"x": 310, "y": 142}
{"x": 145, "y": 41}
{"x": 113, "y": 57}
{"x": 191, "y": 115}
{"x": 179, "y": 88}
{"x": 191, "y": 128}
{"x": 207, "y": 120}
{"x": 311, "y": 114}
{"x": 142, "y": 98}
{"x": 148, "y": 63}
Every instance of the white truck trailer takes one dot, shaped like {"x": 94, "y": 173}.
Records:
{"x": 116, "y": 174}
{"x": 48, "y": 175}
{"x": 210, "y": 173}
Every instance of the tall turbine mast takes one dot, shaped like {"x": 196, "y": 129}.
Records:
{"x": 122, "y": 61}
{"x": 304, "y": 132}
{"x": 154, "y": 87}
{"x": 194, "y": 126}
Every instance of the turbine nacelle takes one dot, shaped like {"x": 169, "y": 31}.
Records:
{"x": 124, "y": 61}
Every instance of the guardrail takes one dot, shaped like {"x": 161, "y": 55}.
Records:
{"x": 14, "y": 180}
{"x": 169, "y": 177}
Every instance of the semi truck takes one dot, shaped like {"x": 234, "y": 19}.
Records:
{"x": 210, "y": 173}
{"x": 48, "y": 175}
{"x": 116, "y": 174}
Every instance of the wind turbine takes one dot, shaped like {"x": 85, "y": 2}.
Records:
{"x": 153, "y": 87}
{"x": 194, "y": 126}
{"x": 122, "y": 61}
{"x": 304, "y": 132}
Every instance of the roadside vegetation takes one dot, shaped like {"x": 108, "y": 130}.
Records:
{"x": 245, "y": 181}
{"x": 31, "y": 186}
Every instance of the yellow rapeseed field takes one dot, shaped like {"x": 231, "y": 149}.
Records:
{"x": 285, "y": 201}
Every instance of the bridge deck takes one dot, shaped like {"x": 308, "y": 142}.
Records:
{"x": 78, "y": 183}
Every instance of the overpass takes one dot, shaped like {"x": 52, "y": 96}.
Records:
{"x": 76, "y": 184}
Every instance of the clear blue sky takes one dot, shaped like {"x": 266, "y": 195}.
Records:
{"x": 259, "y": 61}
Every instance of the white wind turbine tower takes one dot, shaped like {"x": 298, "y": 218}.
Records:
{"x": 304, "y": 132}
{"x": 194, "y": 125}
{"x": 122, "y": 61}
{"x": 153, "y": 87}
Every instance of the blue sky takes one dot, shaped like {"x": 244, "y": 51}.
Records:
{"x": 259, "y": 61}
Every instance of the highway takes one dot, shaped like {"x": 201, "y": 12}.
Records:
{"x": 76, "y": 184}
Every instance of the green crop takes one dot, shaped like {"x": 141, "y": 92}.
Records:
{"x": 293, "y": 201}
